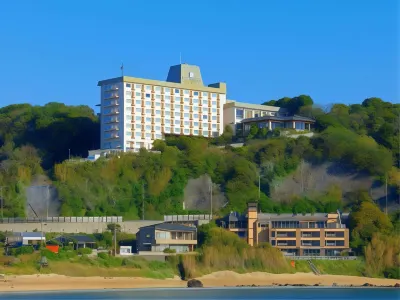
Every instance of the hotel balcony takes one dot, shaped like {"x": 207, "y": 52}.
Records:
{"x": 113, "y": 112}
{"x": 111, "y": 104}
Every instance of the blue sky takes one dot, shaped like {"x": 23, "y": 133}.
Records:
{"x": 333, "y": 50}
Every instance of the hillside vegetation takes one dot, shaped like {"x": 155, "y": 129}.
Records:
{"x": 36, "y": 140}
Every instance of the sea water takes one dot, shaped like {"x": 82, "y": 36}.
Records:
{"x": 281, "y": 293}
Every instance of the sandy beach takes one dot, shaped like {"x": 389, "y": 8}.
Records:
{"x": 217, "y": 279}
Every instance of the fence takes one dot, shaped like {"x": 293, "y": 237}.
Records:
{"x": 63, "y": 220}
{"x": 176, "y": 218}
{"x": 321, "y": 257}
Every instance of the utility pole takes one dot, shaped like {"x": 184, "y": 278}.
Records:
{"x": 69, "y": 154}
{"x": 142, "y": 201}
{"x": 259, "y": 186}
{"x": 115, "y": 239}
{"x": 386, "y": 193}
{"x": 2, "y": 200}
{"x": 47, "y": 202}
{"x": 211, "y": 200}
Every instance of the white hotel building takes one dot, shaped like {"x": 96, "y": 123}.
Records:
{"x": 135, "y": 111}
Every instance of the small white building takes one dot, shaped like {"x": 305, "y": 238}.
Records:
{"x": 26, "y": 238}
{"x": 125, "y": 250}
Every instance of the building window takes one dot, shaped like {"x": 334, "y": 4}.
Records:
{"x": 167, "y": 113}
{"x": 196, "y": 116}
{"x": 186, "y": 123}
{"x": 195, "y": 132}
{"x": 138, "y": 94}
{"x": 148, "y": 103}
{"x": 214, "y": 118}
{"x": 158, "y": 97}
{"x": 167, "y": 105}
{"x": 157, "y": 89}
{"x": 148, "y": 88}
{"x": 196, "y": 123}
{"x": 177, "y": 114}
{"x": 186, "y": 92}
{"x": 214, "y": 126}
{"x": 176, "y": 91}
{"x": 138, "y": 126}
{"x": 139, "y": 102}
{"x": 300, "y": 125}
{"x": 177, "y": 122}
{"x": 205, "y": 117}
{"x": 167, "y": 98}
{"x": 177, "y": 106}
{"x": 128, "y": 85}
{"x": 195, "y": 101}
{"x": 213, "y": 95}
{"x": 138, "y": 110}
{"x": 195, "y": 109}
{"x": 148, "y": 120}
{"x": 158, "y": 136}
{"x": 138, "y": 86}
{"x": 187, "y": 131}
{"x": 186, "y": 107}
{"x": 205, "y": 133}
{"x": 167, "y": 121}
{"x": 138, "y": 118}
{"x": 158, "y": 128}
{"x": 214, "y": 110}
{"x": 195, "y": 93}
{"x": 205, "y": 102}
{"x": 158, "y": 120}
{"x": 177, "y": 130}
{"x": 214, "y": 103}
{"x": 167, "y": 90}
{"x": 186, "y": 115}
{"x": 147, "y": 95}
{"x": 167, "y": 129}
{"x": 158, "y": 112}
{"x": 148, "y": 127}
{"x": 178, "y": 99}
{"x": 158, "y": 104}
{"x": 205, "y": 94}
{"x": 239, "y": 113}
{"x": 138, "y": 134}
{"x": 148, "y": 135}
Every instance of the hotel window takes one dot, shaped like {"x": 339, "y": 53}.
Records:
{"x": 205, "y": 117}
{"x": 129, "y": 133}
{"x": 214, "y": 110}
{"x": 158, "y": 136}
{"x": 167, "y": 113}
{"x": 177, "y": 106}
{"x": 205, "y": 102}
{"x": 205, "y": 125}
{"x": 186, "y": 92}
{"x": 178, "y": 99}
{"x": 158, "y": 120}
{"x": 138, "y": 110}
{"x": 205, "y": 132}
{"x": 239, "y": 113}
{"x": 148, "y": 103}
{"x": 138, "y": 102}
{"x": 148, "y": 120}
{"x": 214, "y": 126}
{"x": 128, "y": 126}
{"x": 177, "y": 91}
{"x": 167, "y": 129}
{"x": 167, "y": 90}
{"x": 195, "y": 132}
{"x": 177, "y": 122}
{"x": 147, "y": 95}
{"x": 186, "y": 115}
{"x": 167, "y": 121}
{"x": 138, "y": 118}
{"x": 167, "y": 105}
{"x": 167, "y": 98}
{"x": 177, "y": 130}
{"x": 138, "y": 126}
{"x": 195, "y": 93}
{"x": 300, "y": 125}
{"x": 186, "y": 100}
{"x": 148, "y": 111}
{"x": 157, "y": 89}
{"x": 186, "y": 123}
{"x": 205, "y": 94}
{"x": 196, "y": 123}
{"x": 187, "y": 131}
{"x": 128, "y": 85}
{"x": 138, "y": 94}
{"x": 148, "y": 88}
{"x": 186, "y": 107}
{"x": 213, "y": 95}
{"x": 158, "y": 128}
{"x": 195, "y": 101}
{"x": 158, "y": 97}
{"x": 158, "y": 104}
{"x": 195, "y": 109}
{"x": 138, "y": 86}
{"x": 178, "y": 114}
{"x": 148, "y": 135}
{"x": 128, "y": 93}
{"x": 214, "y": 103}
{"x": 148, "y": 127}
{"x": 158, "y": 112}
{"x": 196, "y": 116}
{"x": 138, "y": 134}
{"x": 214, "y": 118}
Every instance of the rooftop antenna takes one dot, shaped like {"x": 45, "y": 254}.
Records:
{"x": 180, "y": 58}
{"x": 122, "y": 69}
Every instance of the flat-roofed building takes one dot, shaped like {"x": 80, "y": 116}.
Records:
{"x": 318, "y": 234}
{"x": 137, "y": 111}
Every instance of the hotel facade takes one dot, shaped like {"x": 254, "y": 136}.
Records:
{"x": 134, "y": 112}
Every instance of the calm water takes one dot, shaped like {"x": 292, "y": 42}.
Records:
{"x": 223, "y": 293}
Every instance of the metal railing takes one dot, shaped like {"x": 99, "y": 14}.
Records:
{"x": 287, "y": 255}
{"x": 172, "y": 218}
{"x": 112, "y": 219}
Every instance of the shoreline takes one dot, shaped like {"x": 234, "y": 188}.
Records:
{"x": 222, "y": 279}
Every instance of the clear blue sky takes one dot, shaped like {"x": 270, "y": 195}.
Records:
{"x": 334, "y": 50}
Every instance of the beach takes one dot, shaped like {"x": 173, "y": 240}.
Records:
{"x": 52, "y": 282}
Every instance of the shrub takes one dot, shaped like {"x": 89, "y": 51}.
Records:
{"x": 103, "y": 255}
{"x": 129, "y": 262}
{"x": 393, "y": 273}
{"x": 21, "y": 250}
{"x": 84, "y": 251}
{"x": 169, "y": 250}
